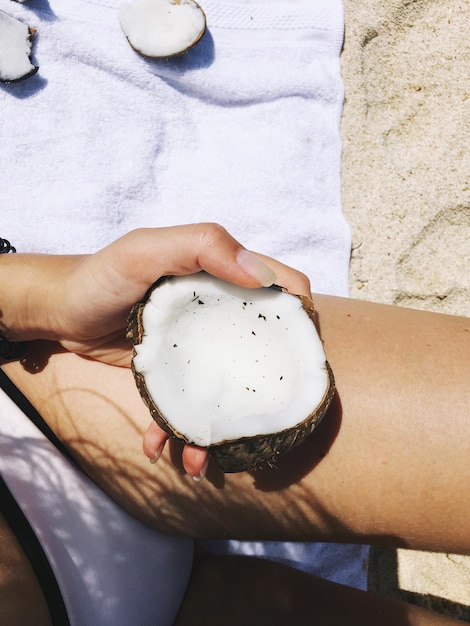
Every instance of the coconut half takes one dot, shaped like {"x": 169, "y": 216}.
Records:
{"x": 239, "y": 371}
{"x": 15, "y": 49}
{"x": 162, "y": 28}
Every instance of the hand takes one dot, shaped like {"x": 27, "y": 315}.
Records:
{"x": 100, "y": 290}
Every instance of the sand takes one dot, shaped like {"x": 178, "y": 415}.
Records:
{"x": 406, "y": 194}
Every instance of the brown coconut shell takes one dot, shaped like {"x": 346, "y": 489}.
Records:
{"x": 245, "y": 453}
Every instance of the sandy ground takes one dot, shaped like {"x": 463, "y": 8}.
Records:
{"x": 406, "y": 194}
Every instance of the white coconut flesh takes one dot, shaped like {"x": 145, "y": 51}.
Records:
{"x": 162, "y": 28}
{"x": 222, "y": 362}
{"x": 15, "y": 49}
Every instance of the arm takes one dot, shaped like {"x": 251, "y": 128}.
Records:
{"x": 82, "y": 302}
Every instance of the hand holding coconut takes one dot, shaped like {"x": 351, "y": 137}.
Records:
{"x": 239, "y": 371}
{"x": 88, "y": 298}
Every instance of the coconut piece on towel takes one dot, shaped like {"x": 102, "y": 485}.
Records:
{"x": 162, "y": 28}
{"x": 15, "y": 49}
{"x": 239, "y": 371}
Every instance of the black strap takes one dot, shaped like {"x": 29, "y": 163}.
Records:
{"x": 28, "y": 409}
{"x": 18, "y": 522}
{"x": 20, "y": 526}
{"x": 9, "y": 351}
{"x": 6, "y": 247}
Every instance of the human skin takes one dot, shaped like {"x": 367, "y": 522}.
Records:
{"x": 83, "y": 302}
{"x": 243, "y": 590}
{"x": 391, "y": 451}
{"x": 17, "y": 582}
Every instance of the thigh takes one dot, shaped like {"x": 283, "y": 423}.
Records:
{"x": 392, "y": 451}
{"x": 241, "y": 590}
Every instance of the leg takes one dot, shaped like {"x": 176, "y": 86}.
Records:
{"x": 392, "y": 452}
{"x": 21, "y": 598}
{"x": 240, "y": 590}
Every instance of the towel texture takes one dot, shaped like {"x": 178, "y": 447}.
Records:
{"x": 243, "y": 130}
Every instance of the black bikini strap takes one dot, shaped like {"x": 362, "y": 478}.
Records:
{"x": 25, "y": 535}
{"x": 28, "y": 409}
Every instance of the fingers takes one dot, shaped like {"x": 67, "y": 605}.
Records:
{"x": 142, "y": 256}
{"x": 195, "y": 459}
{"x": 293, "y": 280}
{"x": 103, "y": 286}
{"x": 154, "y": 442}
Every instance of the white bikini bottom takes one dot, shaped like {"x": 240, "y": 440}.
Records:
{"x": 111, "y": 569}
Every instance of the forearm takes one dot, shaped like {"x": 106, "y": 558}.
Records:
{"x": 32, "y": 295}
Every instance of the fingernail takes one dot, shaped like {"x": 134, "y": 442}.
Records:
{"x": 202, "y": 473}
{"x": 256, "y": 268}
{"x": 157, "y": 455}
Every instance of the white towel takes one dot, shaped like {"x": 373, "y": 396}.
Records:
{"x": 242, "y": 130}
